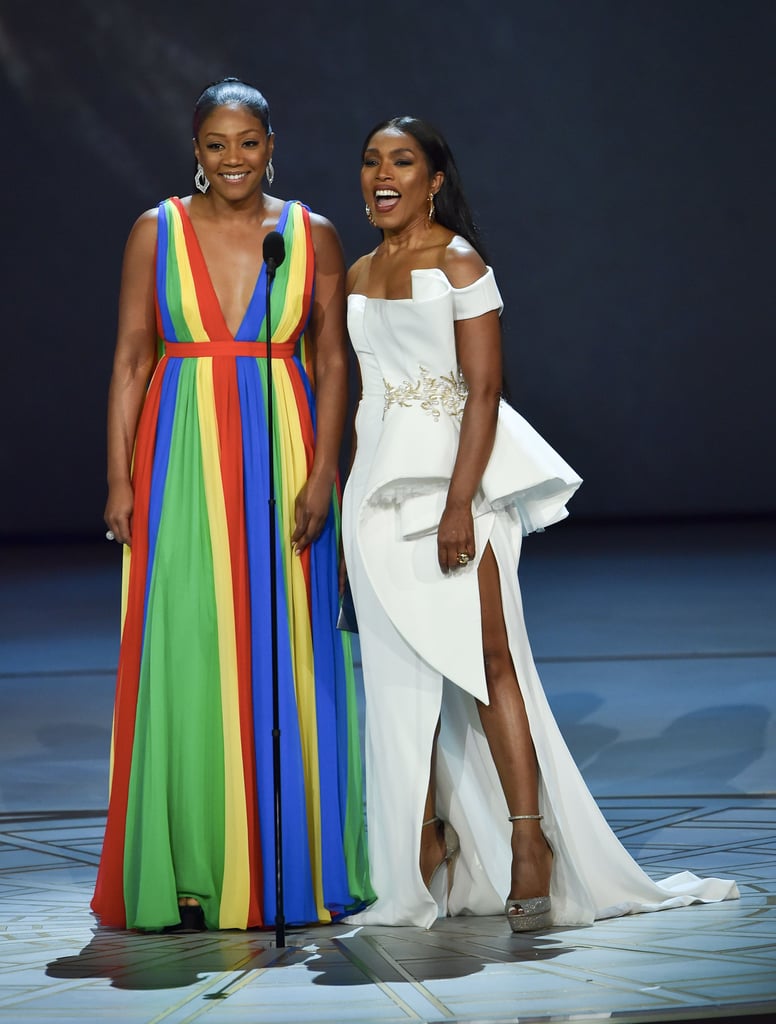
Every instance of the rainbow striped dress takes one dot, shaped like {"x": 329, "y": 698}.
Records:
{"x": 191, "y": 800}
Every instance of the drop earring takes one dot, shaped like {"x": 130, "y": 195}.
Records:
{"x": 368, "y": 212}
{"x": 270, "y": 172}
{"x": 200, "y": 179}
{"x": 431, "y": 210}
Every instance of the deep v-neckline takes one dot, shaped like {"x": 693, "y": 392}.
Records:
{"x": 192, "y": 241}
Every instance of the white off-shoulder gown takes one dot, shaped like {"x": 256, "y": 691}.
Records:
{"x": 420, "y": 633}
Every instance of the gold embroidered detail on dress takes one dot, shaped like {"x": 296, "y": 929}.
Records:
{"x": 435, "y": 395}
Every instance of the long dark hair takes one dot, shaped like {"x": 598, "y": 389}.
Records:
{"x": 452, "y": 208}
{"x": 230, "y": 92}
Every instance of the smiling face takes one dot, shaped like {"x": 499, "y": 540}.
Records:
{"x": 396, "y": 180}
{"x": 234, "y": 149}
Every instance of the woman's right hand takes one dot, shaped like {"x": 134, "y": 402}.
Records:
{"x": 455, "y": 536}
{"x": 118, "y": 511}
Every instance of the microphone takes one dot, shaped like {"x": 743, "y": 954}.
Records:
{"x": 274, "y": 251}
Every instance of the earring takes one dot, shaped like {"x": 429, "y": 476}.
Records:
{"x": 431, "y": 210}
{"x": 368, "y": 212}
{"x": 200, "y": 180}
{"x": 270, "y": 172}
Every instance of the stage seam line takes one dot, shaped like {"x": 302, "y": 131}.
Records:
{"x": 540, "y": 659}
{"x": 384, "y": 987}
{"x": 561, "y": 659}
{"x": 68, "y": 853}
{"x": 183, "y": 1001}
{"x": 273, "y": 955}
{"x": 59, "y": 673}
{"x": 374, "y": 942}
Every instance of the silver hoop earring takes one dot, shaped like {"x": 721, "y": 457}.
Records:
{"x": 270, "y": 172}
{"x": 368, "y": 212}
{"x": 200, "y": 179}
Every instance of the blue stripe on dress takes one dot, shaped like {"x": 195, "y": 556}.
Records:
{"x": 299, "y": 900}
{"x": 162, "y": 245}
{"x": 164, "y": 426}
{"x": 329, "y": 682}
{"x": 253, "y": 321}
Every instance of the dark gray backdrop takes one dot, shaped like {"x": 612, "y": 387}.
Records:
{"x": 619, "y": 155}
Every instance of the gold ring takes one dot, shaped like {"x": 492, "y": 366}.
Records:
{"x": 463, "y": 558}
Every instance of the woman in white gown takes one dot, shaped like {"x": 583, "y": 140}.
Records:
{"x": 474, "y": 803}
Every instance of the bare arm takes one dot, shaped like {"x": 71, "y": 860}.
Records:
{"x": 327, "y": 327}
{"x": 478, "y": 343}
{"x": 351, "y": 283}
{"x": 132, "y": 365}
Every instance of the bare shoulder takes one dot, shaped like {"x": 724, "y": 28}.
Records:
{"x": 461, "y": 263}
{"x": 359, "y": 268}
{"x": 327, "y": 244}
{"x": 142, "y": 237}
{"x": 323, "y": 229}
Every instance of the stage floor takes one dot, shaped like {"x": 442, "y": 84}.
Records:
{"x": 657, "y": 648}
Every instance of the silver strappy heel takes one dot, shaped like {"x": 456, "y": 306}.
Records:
{"x": 528, "y": 915}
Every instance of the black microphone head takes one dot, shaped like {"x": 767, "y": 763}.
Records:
{"x": 274, "y": 250}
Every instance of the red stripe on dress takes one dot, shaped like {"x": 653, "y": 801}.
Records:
{"x": 157, "y": 304}
{"x": 230, "y": 441}
{"x": 108, "y": 901}
{"x": 230, "y": 349}
{"x": 301, "y": 403}
{"x": 207, "y": 300}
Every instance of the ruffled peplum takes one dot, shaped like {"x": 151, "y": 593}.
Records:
{"x": 525, "y": 479}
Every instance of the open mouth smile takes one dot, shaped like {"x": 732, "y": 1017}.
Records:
{"x": 386, "y": 199}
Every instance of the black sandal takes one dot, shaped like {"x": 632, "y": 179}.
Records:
{"x": 192, "y": 919}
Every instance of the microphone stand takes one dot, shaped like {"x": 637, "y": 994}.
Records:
{"x": 280, "y": 923}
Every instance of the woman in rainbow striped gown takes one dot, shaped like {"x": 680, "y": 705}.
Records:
{"x": 190, "y": 836}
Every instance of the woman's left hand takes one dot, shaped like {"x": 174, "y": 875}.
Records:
{"x": 311, "y": 509}
{"x": 455, "y": 537}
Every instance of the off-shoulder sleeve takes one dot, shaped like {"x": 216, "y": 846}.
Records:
{"x": 481, "y": 296}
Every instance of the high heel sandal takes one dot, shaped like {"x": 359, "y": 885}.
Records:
{"x": 528, "y": 915}
{"x": 441, "y": 881}
{"x": 192, "y": 919}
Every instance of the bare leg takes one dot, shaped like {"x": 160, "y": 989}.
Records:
{"x": 509, "y": 736}
{"x": 432, "y": 838}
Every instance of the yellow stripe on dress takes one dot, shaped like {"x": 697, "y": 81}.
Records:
{"x": 126, "y": 560}
{"x": 188, "y": 292}
{"x": 294, "y": 473}
{"x": 235, "y": 891}
{"x": 297, "y": 273}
